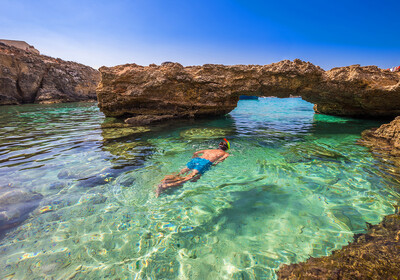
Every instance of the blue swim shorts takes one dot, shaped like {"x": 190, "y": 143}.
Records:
{"x": 200, "y": 164}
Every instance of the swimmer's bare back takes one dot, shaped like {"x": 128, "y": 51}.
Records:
{"x": 215, "y": 155}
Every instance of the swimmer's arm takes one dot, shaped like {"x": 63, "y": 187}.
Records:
{"x": 195, "y": 154}
{"x": 221, "y": 159}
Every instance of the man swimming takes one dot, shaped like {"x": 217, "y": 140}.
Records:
{"x": 201, "y": 162}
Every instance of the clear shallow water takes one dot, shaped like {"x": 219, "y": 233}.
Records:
{"x": 295, "y": 186}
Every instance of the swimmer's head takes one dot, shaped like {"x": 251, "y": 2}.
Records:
{"x": 224, "y": 145}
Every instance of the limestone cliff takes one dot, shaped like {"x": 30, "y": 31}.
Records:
{"x": 27, "y": 77}
{"x": 171, "y": 90}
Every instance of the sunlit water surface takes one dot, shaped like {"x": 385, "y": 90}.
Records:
{"x": 296, "y": 185}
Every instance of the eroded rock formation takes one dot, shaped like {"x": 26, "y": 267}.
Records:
{"x": 374, "y": 255}
{"x": 26, "y": 77}
{"x": 385, "y": 139}
{"x": 175, "y": 91}
{"x": 358, "y": 91}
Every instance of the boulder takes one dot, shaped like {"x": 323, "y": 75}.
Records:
{"x": 15, "y": 206}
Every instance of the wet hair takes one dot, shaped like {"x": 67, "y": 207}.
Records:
{"x": 223, "y": 146}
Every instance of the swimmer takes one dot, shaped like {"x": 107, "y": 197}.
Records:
{"x": 200, "y": 163}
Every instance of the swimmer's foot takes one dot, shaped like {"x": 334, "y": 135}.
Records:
{"x": 165, "y": 183}
{"x": 159, "y": 189}
{"x": 169, "y": 181}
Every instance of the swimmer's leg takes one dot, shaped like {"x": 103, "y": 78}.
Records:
{"x": 166, "y": 184}
{"x": 195, "y": 178}
{"x": 170, "y": 178}
{"x": 184, "y": 170}
{"x": 183, "y": 179}
{"x": 163, "y": 184}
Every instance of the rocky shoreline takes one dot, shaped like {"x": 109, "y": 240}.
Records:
{"x": 27, "y": 77}
{"x": 374, "y": 255}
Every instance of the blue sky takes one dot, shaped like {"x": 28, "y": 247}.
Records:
{"x": 96, "y": 33}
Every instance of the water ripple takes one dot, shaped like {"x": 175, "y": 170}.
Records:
{"x": 295, "y": 186}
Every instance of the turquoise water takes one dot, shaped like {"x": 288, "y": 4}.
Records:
{"x": 296, "y": 185}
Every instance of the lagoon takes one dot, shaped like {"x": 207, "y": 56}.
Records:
{"x": 297, "y": 185}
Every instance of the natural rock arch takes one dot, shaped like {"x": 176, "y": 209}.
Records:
{"x": 171, "y": 90}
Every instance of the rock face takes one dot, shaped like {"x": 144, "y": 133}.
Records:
{"x": 358, "y": 91}
{"x": 26, "y": 77}
{"x": 385, "y": 139}
{"x": 374, "y": 255}
{"x": 170, "y": 89}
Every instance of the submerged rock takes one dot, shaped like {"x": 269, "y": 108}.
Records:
{"x": 205, "y": 133}
{"x": 15, "y": 205}
{"x": 374, "y": 255}
{"x": 171, "y": 90}
{"x": 309, "y": 152}
{"x": 115, "y": 133}
{"x": 28, "y": 77}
